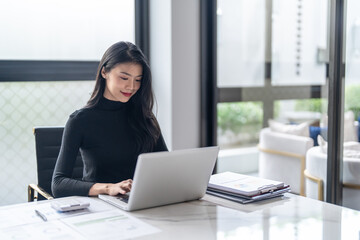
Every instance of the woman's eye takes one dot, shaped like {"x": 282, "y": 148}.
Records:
{"x": 123, "y": 78}
{"x": 138, "y": 80}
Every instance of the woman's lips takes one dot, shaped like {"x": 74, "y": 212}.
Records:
{"x": 126, "y": 94}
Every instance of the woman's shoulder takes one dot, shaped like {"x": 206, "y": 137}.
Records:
{"x": 79, "y": 118}
{"x": 81, "y": 114}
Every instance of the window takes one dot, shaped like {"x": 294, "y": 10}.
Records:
{"x": 43, "y": 41}
{"x": 63, "y": 29}
{"x": 264, "y": 61}
{"x": 60, "y": 40}
{"x": 241, "y": 43}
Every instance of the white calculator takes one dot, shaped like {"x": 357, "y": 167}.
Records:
{"x": 64, "y": 205}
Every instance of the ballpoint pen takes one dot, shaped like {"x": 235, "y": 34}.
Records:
{"x": 43, "y": 217}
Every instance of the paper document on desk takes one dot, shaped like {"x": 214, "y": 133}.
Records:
{"x": 41, "y": 230}
{"x": 242, "y": 184}
{"x": 114, "y": 224}
{"x": 9, "y": 216}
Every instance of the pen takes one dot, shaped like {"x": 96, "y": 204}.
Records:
{"x": 43, "y": 217}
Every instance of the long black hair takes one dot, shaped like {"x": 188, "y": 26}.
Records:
{"x": 141, "y": 117}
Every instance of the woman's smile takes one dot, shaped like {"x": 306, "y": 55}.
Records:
{"x": 126, "y": 94}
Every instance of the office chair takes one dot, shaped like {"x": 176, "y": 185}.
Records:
{"x": 47, "y": 145}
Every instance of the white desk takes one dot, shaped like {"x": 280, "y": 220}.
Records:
{"x": 292, "y": 217}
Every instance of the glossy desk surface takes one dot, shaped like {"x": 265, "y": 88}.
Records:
{"x": 289, "y": 217}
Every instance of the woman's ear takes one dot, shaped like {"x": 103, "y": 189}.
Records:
{"x": 103, "y": 73}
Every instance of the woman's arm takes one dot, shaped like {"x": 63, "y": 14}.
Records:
{"x": 111, "y": 188}
{"x": 62, "y": 183}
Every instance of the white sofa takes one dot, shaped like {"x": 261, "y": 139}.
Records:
{"x": 315, "y": 174}
{"x": 282, "y": 158}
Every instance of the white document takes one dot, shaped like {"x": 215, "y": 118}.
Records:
{"x": 42, "y": 230}
{"x": 114, "y": 224}
{"x": 99, "y": 221}
{"x": 9, "y": 216}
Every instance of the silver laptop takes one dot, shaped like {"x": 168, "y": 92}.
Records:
{"x": 163, "y": 178}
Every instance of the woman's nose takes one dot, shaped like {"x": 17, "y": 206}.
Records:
{"x": 131, "y": 84}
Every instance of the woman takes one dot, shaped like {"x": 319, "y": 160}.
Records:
{"x": 115, "y": 126}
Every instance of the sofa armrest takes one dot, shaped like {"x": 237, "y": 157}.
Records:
{"x": 282, "y": 158}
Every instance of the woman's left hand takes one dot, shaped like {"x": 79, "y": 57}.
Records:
{"x": 111, "y": 188}
{"x": 121, "y": 187}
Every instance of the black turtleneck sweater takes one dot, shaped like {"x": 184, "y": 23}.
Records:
{"x": 107, "y": 145}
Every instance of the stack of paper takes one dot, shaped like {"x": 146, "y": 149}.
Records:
{"x": 244, "y": 189}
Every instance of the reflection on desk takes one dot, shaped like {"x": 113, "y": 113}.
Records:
{"x": 290, "y": 217}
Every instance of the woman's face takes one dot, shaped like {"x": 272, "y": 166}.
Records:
{"x": 122, "y": 81}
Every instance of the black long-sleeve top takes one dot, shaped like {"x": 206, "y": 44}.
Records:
{"x": 107, "y": 145}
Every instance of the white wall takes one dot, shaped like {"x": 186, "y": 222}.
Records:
{"x": 175, "y": 64}
{"x": 160, "y": 60}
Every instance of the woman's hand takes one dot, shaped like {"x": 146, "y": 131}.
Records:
{"x": 121, "y": 187}
{"x": 111, "y": 188}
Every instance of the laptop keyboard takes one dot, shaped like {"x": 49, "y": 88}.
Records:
{"x": 123, "y": 198}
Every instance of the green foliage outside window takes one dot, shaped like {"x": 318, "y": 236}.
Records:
{"x": 233, "y": 116}
{"x": 312, "y": 105}
{"x": 242, "y": 121}
{"x": 352, "y": 102}
{"x": 352, "y": 99}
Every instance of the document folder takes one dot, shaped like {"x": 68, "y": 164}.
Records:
{"x": 243, "y": 185}
{"x": 245, "y": 199}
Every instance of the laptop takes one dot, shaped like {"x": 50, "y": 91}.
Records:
{"x": 163, "y": 178}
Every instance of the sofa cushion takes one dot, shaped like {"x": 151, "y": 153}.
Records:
{"x": 315, "y": 131}
{"x": 301, "y": 129}
{"x": 351, "y": 149}
{"x": 350, "y": 129}
{"x": 350, "y": 133}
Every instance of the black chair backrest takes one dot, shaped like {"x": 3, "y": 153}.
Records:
{"x": 47, "y": 144}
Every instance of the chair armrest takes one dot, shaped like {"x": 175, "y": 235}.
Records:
{"x": 32, "y": 188}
